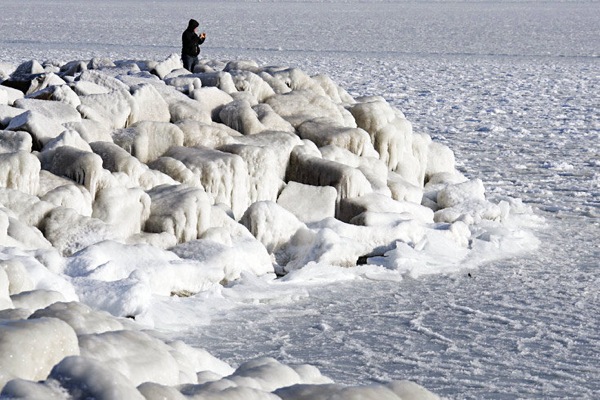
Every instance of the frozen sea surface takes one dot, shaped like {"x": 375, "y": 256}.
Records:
{"x": 512, "y": 87}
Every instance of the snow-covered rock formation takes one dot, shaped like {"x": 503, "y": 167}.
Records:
{"x": 124, "y": 180}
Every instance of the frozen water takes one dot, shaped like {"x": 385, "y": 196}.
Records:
{"x": 511, "y": 87}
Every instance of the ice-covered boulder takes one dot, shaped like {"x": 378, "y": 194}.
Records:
{"x": 180, "y": 210}
{"x": 27, "y": 208}
{"x": 114, "y": 108}
{"x": 264, "y": 182}
{"x": 83, "y": 167}
{"x": 395, "y": 390}
{"x": 55, "y": 110}
{"x": 117, "y": 160}
{"x": 70, "y": 138}
{"x": 324, "y": 132}
{"x": 80, "y": 317}
{"x": 86, "y": 87}
{"x": 41, "y": 128}
{"x": 104, "y": 80}
{"x": 148, "y": 140}
{"x": 300, "y": 106}
{"x": 86, "y": 378}
{"x": 335, "y": 92}
{"x": 248, "y": 81}
{"x": 284, "y": 142}
{"x": 308, "y": 203}
{"x": 62, "y": 192}
{"x": 61, "y": 93}
{"x": 177, "y": 171}
{"x": 166, "y": 66}
{"x": 439, "y": 160}
{"x": 392, "y": 136}
{"x": 466, "y": 202}
{"x": 233, "y": 256}
{"x": 29, "y": 349}
{"x": 372, "y": 168}
{"x": 403, "y": 190}
{"x": 7, "y": 113}
{"x": 15, "y": 233}
{"x": 126, "y": 210}
{"x": 13, "y": 142}
{"x": 310, "y": 170}
{"x": 181, "y": 107}
{"x": 10, "y": 94}
{"x": 17, "y": 277}
{"x": 271, "y": 224}
{"x": 353, "y": 206}
{"x": 211, "y": 99}
{"x": 212, "y": 135}
{"x": 136, "y": 355}
{"x": 223, "y": 175}
{"x": 150, "y": 104}
{"x": 70, "y": 232}
{"x": 36, "y": 299}
{"x": 219, "y": 79}
{"x": 296, "y": 79}
{"x": 90, "y": 130}
{"x": 20, "y": 171}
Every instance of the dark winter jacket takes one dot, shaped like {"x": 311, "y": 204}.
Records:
{"x": 190, "y": 42}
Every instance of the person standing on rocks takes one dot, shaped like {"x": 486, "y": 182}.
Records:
{"x": 190, "y": 45}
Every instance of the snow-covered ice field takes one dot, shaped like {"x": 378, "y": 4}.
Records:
{"x": 512, "y": 87}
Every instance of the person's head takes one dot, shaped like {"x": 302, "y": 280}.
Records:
{"x": 193, "y": 24}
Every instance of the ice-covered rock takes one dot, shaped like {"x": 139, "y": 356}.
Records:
{"x": 324, "y": 132}
{"x": 90, "y": 130}
{"x": 150, "y": 104}
{"x": 125, "y": 209}
{"x": 17, "y": 276}
{"x": 271, "y": 224}
{"x": 310, "y": 170}
{"x": 41, "y": 128}
{"x": 70, "y": 138}
{"x": 180, "y": 210}
{"x": 70, "y": 232}
{"x": 211, "y": 135}
{"x": 223, "y": 175}
{"x": 264, "y": 182}
{"x": 55, "y": 110}
{"x": 284, "y": 142}
{"x": 308, "y": 203}
{"x": 80, "y": 317}
{"x": 61, "y": 93}
{"x": 248, "y": 81}
{"x": 7, "y": 113}
{"x": 85, "y": 378}
{"x": 440, "y": 160}
{"x": 352, "y": 206}
{"x": 20, "y": 171}
{"x": 10, "y": 94}
{"x": 29, "y": 349}
{"x": 148, "y": 140}
{"x": 169, "y": 64}
{"x": 181, "y": 107}
{"x": 83, "y": 167}
{"x": 13, "y": 142}
{"x": 300, "y": 106}
{"x": 114, "y": 108}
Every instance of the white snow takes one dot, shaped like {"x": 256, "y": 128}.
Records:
{"x": 132, "y": 188}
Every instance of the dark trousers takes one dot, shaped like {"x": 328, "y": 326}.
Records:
{"x": 189, "y": 62}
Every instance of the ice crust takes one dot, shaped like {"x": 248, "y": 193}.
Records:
{"x": 126, "y": 183}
